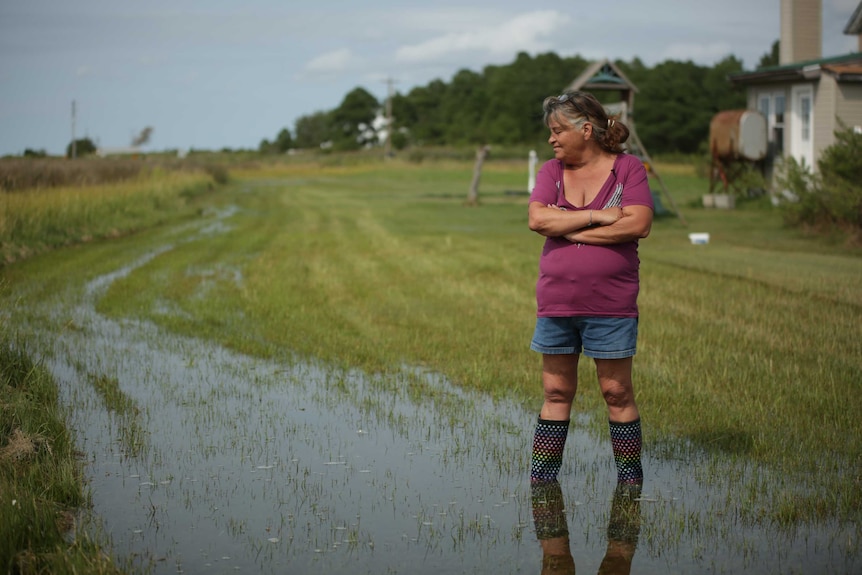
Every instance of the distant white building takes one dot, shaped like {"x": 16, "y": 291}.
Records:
{"x": 127, "y": 151}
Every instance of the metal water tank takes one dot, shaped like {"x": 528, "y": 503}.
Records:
{"x": 738, "y": 135}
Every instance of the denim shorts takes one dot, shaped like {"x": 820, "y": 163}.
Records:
{"x": 596, "y": 337}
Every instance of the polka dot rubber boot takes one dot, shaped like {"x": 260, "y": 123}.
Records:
{"x": 548, "y": 444}
{"x": 626, "y": 444}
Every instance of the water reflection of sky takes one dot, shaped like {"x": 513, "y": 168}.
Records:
{"x": 234, "y": 464}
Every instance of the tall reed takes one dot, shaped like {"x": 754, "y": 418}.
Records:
{"x": 37, "y": 220}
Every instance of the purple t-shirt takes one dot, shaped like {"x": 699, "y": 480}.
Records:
{"x": 582, "y": 279}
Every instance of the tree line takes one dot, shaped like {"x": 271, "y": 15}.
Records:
{"x": 501, "y": 105}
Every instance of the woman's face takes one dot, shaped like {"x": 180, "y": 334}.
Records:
{"x": 568, "y": 140}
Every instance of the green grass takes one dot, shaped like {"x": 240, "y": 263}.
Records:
{"x": 125, "y": 412}
{"x": 749, "y": 346}
{"x": 40, "y": 477}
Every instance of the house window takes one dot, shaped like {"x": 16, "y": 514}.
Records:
{"x": 778, "y": 125}
{"x": 763, "y": 106}
{"x": 771, "y": 105}
{"x": 805, "y": 112}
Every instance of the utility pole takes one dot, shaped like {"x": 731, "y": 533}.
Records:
{"x": 387, "y": 149}
{"x": 74, "y": 153}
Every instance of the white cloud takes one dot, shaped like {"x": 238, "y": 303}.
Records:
{"x": 336, "y": 61}
{"x": 529, "y": 32}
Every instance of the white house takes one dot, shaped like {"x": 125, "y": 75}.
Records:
{"x": 806, "y": 97}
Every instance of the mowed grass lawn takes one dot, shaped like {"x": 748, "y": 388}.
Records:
{"x": 749, "y": 346}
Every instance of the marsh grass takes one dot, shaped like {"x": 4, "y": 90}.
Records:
{"x": 127, "y": 414}
{"x": 20, "y": 174}
{"x": 40, "y": 219}
{"x": 40, "y": 477}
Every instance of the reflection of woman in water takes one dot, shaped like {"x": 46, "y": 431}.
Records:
{"x": 549, "y": 518}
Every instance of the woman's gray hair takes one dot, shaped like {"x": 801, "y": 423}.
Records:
{"x": 578, "y": 108}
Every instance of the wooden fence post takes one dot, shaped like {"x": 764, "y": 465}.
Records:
{"x": 473, "y": 195}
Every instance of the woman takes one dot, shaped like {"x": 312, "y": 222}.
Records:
{"x": 592, "y": 202}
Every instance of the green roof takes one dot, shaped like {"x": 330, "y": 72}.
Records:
{"x": 850, "y": 57}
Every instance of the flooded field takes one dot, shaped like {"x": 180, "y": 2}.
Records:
{"x": 202, "y": 460}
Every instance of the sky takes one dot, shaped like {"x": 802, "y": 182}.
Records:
{"x": 209, "y": 74}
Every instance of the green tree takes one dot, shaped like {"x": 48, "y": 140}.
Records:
{"x": 284, "y": 141}
{"x": 502, "y": 105}
{"x": 83, "y": 147}
{"x": 719, "y": 92}
{"x": 353, "y": 120}
{"x": 403, "y": 115}
{"x": 516, "y": 92}
{"x": 636, "y": 71}
{"x": 421, "y": 114}
{"x": 265, "y": 147}
{"x": 843, "y": 159}
{"x": 511, "y": 113}
{"x": 462, "y": 105}
{"x": 677, "y": 101}
{"x": 770, "y": 58}
{"x": 313, "y": 130}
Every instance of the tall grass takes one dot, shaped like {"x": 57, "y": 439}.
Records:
{"x": 37, "y": 220}
{"x": 17, "y": 174}
{"x": 25, "y": 174}
{"x": 40, "y": 477}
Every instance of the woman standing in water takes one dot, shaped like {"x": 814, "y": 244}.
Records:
{"x": 592, "y": 202}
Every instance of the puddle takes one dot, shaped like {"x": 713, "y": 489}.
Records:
{"x": 231, "y": 464}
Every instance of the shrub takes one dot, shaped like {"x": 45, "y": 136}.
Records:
{"x": 832, "y": 197}
{"x": 218, "y": 173}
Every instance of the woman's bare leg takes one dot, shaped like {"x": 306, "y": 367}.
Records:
{"x": 560, "y": 382}
{"x": 615, "y": 380}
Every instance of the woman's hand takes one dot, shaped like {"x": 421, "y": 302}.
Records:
{"x": 552, "y": 220}
{"x": 631, "y": 224}
{"x": 607, "y": 216}
{"x": 603, "y": 217}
